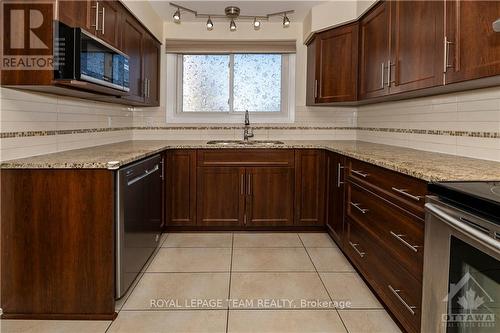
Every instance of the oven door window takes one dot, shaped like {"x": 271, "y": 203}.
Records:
{"x": 474, "y": 290}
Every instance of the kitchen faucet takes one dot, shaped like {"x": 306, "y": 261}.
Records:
{"x": 248, "y": 131}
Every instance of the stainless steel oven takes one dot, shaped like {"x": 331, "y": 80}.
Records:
{"x": 461, "y": 281}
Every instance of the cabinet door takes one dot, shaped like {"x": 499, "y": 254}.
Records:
{"x": 337, "y": 64}
{"x": 374, "y": 51}
{"x": 417, "y": 45}
{"x": 151, "y": 71}
{"x": 309, "y": 187}
{"x": 335, "y": 192}
{"x": 132, "y": 45}
{"x": 76, "y": 13}
{"x": 475, "y": 49}
{"x": 311, "y": 84}
{"x": 269, "y": 197}
{"x": 108, "y": 21}
{"x": 220, "y": 196}
{"x": 181, "y": 188}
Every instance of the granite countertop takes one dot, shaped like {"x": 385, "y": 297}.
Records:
{"x": 424, "y": 165}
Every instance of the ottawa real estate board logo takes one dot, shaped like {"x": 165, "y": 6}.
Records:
{"x": 470, "y": 306}
{"x": 27, "y": 35}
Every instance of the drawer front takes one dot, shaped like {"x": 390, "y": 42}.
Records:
{"x": 403, "y": 190}
{"x": 246, "y": 157}
{"x": 398, "y": 289}
{"x": 401, "y": 232}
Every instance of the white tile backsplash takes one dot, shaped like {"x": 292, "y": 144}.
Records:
{"x": 477, "y": 110}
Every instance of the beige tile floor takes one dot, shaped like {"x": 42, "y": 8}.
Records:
{"x": 239, "y": 282}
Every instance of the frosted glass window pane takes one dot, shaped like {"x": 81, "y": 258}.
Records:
{"x": 205, "y": 83}
{"x": 257, "y": 82}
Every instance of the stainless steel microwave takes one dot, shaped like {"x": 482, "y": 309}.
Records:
{"x": 81, "y": 56}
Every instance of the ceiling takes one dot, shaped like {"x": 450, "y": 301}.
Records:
{"x": 165, "y": 11}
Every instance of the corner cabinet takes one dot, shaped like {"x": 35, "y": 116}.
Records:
{"x": 332, "y": 62}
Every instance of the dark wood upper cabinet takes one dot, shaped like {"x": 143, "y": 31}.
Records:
{"x": 76, "y": 13}
{"x": 180, "y": 188}
{"x": 109, "y": 21}
{"x": 473, "y": 47}
{"x": 220, "y": 196}
{"x": 310, "y": 187}
{"x": 416, "y": 45}
{"x": 151, "y": 80}
{"x": 333, "y": 58}
{"x": 133, "y": 36}
{"x": 335, "y": 193}
{"x": 374, "y": 51}
{"x": 269, "y": 196}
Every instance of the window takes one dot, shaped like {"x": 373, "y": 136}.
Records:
{"x": 220, "y": 87}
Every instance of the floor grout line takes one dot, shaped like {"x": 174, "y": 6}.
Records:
{"x": 324, "y": 286}
{"x": 230, "y": 277}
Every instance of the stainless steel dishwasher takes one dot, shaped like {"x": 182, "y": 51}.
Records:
{"x": 138, "y": 218}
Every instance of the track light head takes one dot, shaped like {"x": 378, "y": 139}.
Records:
{"x": 210, "y": 24}
{"x": 286, "y": 21}
{"x": 177, "y": 16}
{"x": 256, "y": 24}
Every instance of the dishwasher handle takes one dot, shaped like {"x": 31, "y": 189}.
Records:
{"x": 144, "y": 175}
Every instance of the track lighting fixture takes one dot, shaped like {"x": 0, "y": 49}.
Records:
{"x": 231, "y": 13}
{"x": 210, "y": 24}
{"x": 177, "y": 16}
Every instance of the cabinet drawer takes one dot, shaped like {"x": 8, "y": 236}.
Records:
{"x": 398, "y": 289}
{"x": 246, "y": 157}
{"x": 400, "y": 189}
{"x": 401, "y": 233}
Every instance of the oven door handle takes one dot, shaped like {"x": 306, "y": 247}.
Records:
{"x": 462, "y": 227}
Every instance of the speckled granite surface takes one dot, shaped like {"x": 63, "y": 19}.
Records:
{"x": 417, "y": 163}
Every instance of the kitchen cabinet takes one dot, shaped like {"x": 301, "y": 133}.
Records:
{"x": 472, "y": 47}
{"x": 58, "y": 244}
{"x": 374, "y": 51}
{"x": 401, "y": 47}
{"x": 133, "y": 36}
{"x": 333, "y": 65}
{"x": 416, "y": 59}
{"x": 335, "y": 192}
{"x": 310, "y": 187}
{"x": 221, "y": 196}
{"x": 269, "y": 196}
{"x": 144, "y": 63}
{"x": 180, "y": 188}
{"x": 245, "y": 189}
{"x": 78, "y": 13}
{"x": 151, "y": 60}
{"x": 385, "y": 236}
{"x": 108, "y": 21}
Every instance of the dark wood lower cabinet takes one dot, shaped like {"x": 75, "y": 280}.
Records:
{"x": 57, "y": 244}
{"x": 310, "y": 185}
{"x": 269, "y": 197}
{"x": 220, "y": 196}
{"x": 335, "y": 193}
{"x": 180, "y": 188}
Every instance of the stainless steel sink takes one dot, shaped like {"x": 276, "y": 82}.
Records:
{"x": 244, "y": 143}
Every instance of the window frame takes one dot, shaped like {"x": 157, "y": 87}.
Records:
{"x": 174, "y": 105}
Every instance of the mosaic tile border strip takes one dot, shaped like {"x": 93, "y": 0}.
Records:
{"x": 490, "y": 135}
